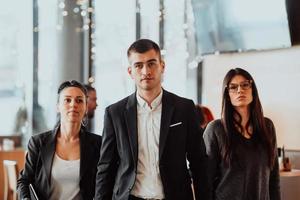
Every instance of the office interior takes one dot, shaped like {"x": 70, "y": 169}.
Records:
{"x": 43, "y": 43}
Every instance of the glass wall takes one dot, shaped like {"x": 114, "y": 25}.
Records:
{"x": 61, "y": 50}
{"x": 47, "y": 24}
{"x": 16, "y": 67}
{"x": 234, "y": 25}
{"x": 44, "y": 42}
{"x": 179, "y": 51}
{"x": 115, "y": 30}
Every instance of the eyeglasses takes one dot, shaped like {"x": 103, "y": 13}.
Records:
{"x": 233, "y": 88}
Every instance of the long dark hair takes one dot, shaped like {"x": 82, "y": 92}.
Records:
{"x": 256, "y": 119}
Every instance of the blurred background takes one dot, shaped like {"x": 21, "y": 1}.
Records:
{"x": 44, "y": 42}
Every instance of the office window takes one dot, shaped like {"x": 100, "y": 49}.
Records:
{"x": 15, "y": 66}
{"x": 234, "y": 25}
{"x": 115, "y": 30}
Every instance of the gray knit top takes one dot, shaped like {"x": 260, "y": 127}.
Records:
{"x": 248, "y": 177}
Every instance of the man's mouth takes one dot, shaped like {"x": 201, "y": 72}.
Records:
{"x": 147, "y": 79}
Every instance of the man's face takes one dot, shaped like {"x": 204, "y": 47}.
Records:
{"x": 92, "y": 103}
{"x": 146, "y": 69}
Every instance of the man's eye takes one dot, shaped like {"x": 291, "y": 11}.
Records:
{"x": 139, "y": 66}
{"x": 151, "y": 64}
{"x": 67, "y": 100}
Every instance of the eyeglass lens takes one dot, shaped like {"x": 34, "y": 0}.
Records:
{"x": 244, "y": 85}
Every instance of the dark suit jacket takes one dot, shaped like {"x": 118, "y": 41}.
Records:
{"x": 119, "y": 152}
{"x": 39, "y": 159}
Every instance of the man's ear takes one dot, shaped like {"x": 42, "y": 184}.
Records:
{"x": 129, "y": 70}
{"x": 163, "y": 66}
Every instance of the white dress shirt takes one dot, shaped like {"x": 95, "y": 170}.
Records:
{"x": 148, "y": 181}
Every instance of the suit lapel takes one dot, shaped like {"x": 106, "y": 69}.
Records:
{"x": 130, "y": 115}
{"x": 85, "y": 153}
{"x": 166, "y": 116}
{"x": 47, "y": 152}
{"x": 49, "y": 149}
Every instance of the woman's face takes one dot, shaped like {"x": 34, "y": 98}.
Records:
{"x": 240, "y": 91}
{"x": 72, "y": 105}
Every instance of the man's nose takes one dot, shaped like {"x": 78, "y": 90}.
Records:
{"x": 145, "y": 70}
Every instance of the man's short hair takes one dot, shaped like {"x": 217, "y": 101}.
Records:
{"x": 143, "y": 45}
{"x": 89, "y": 88}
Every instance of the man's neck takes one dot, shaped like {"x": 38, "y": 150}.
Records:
{"x": 149, "y": 95}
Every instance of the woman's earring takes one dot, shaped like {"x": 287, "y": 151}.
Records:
{"x": 84, "y": 121}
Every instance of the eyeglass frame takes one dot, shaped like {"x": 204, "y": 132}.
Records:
{"x": 235, "y": 90}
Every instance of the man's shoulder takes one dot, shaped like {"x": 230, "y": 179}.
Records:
{"x": 121, "y": 103}
{"x": 176, "y": 98}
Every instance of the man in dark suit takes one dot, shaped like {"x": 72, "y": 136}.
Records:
{"x": 147, "y": 138}
{"x": 91, "y": 107}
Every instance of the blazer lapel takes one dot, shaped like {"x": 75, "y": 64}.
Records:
{"x": 130, "y": 115}
{"x": 47, "y": 152}
{"x": 166, "y": 116}
{"x": 85, "y": 153}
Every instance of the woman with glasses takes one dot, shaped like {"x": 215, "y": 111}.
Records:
{"x": 61, "y": 164}
{"x": 241, "y": 146}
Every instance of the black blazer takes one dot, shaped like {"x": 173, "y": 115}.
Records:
{"x": 39, "y": 159}
{"x": 119, "y": 152}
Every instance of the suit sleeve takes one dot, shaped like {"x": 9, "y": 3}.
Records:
{"x": 213, "y": 153}
{"x": 274, "y": 186}
{"x": 196, "y": 155}
{"x": 107, "y": 165}
{"x": 28, "y": 173}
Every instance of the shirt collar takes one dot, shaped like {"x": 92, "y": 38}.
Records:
{"x": 155, "y": 103}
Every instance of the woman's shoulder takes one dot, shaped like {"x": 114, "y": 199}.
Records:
{"x": 40, "y": 139}
{"x": 268, "y": 121}
{"x": 93, "y": 137}
{"x": 214, "y": 128}
{"x": 215, "y": 124}
{"x": 42, "y": 136}
{"x": 214, "y": 133}
{"x": 270, "y": 126}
